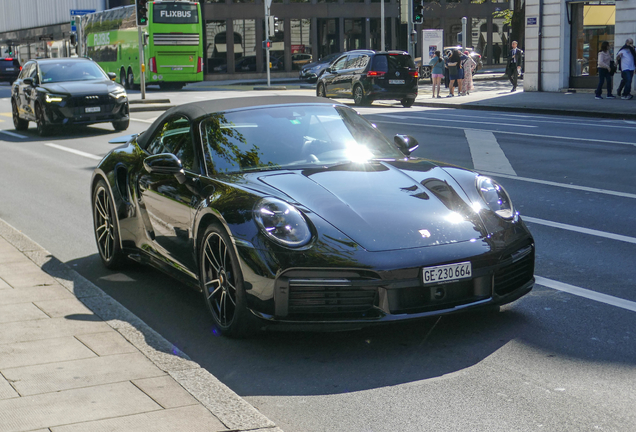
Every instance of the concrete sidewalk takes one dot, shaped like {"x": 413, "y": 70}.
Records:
{"x": 73, "y": 359}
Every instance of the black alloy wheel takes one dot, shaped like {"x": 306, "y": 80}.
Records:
{"x": 18, "y": 123}
{"x": 43, "y": 128}
{"x": 407, "y": 102}
{"x": 121, "y": 125}
{"x": 426, "y": 73}
{"x": 320, "y": 90}
{"x": 358, "y": 96}
{"x": 105, "y": 227}
{"x": 222, "y": 285}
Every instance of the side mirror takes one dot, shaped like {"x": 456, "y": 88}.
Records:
{"x": 29, "y": 81}
{"x": 406, "y": 143}
{"x": 165, "y": 163}
{"x": 329, "y": 70}
{"x": 112, "y": 76}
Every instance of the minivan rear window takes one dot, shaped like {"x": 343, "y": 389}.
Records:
{"x": 390, "y": 63}
{"x": 9, "y": 63}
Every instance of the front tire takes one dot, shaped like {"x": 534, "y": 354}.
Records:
{"x": 18, "y": 123}
{"x": 105, "y": 228}
{"x": 121, "y": 125}
{"x": 43, "y": 128}
{"x": 221, "y": 282}
{"x": 320, "y": 90}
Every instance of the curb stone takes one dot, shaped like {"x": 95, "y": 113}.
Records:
{"x": 232, "y": 410}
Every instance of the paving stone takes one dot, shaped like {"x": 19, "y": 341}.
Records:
{"x": 63, "y": 308}
{"x": 48, "y": 329}
{"x": 25, "y": 274}
{"x": 34, "y": 294}
{"x": 6, "y": 391}
{"x": 107, "y": 343}
{"x": 166, "y": 392}
{"x": 67, "y": 375}
{"x": 191, "y": 419}
{"x": 73, "y": 406}
{"x": 20, "y": 312}
{"x": 43, "y": 351}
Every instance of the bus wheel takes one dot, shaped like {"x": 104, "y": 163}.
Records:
{"x": 122, "y": 78}
{"x": 130, "y": 81}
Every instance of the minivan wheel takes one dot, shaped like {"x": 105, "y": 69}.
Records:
{"x": 407, "y": 102}
{"x": 358, "y": 96}
{"x": 18, "y": 123}
{"x": 320, "y": 91}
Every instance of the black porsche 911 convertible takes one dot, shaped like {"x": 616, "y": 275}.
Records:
{"x": 297, "y": 210}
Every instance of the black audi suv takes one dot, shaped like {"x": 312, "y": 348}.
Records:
{"x": 69, "y": 91}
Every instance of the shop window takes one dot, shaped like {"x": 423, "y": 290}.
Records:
{"x": 592, "y": 24}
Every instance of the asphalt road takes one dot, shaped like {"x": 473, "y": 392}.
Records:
{"x": 562, "y": 358}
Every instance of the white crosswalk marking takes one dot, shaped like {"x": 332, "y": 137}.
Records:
{"x": 589, "y": 294}
{"x": 486, "y": 153}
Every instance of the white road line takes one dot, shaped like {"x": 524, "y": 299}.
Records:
{"x": 77, "y": 152}
{"x": 486, "y": 152}
{"x": 563, "y": 185}
{"x": 13, "y": 134}
{"x": 453, "y": 121}
{"x": 586, "y": 293}
{"x": 144, "y": 120}
{"x": 582, "y": 230}
{"x": 509, "y": 133}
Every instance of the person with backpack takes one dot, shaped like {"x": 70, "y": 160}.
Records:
{"x": 626, "y": 58}
{"x": 437, "y": 73}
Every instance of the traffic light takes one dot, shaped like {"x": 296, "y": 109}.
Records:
{"x": 267, "y": 44}
{"x": 142, "y": 12}
{"x": 418, "y": 12}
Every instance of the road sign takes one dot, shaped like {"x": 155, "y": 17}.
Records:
{"x": 80, "y": 12}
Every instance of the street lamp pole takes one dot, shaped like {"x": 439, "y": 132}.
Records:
{"x": 267, "y": 4}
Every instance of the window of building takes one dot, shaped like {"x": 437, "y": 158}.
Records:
{"x": 592, "y": 24}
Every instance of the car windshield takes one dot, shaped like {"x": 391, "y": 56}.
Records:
{"x": 293, "y": 136}
{"x": 70, "y": 71}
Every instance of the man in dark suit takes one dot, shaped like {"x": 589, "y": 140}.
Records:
{"x": 513, "y": 68}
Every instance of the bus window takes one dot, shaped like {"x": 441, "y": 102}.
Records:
{"x": 175, "y": 13}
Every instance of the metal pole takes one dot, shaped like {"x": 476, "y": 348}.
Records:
{"x": 142, "y": 63}
{"x": 265, "y": 4}
{"x": 464, "y": 34}
{"x": 410, "y": 29}
{"x": 382, "y": 41}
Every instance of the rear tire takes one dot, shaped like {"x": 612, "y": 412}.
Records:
{"x": 122, "y": 78}
{"x": 43, "y": 128}
{"x": 407, "y": 102}
{"x": 221, "y": 283}
{"x": 130, "y": 80}
{"x": 358, "y": 96}
{"x": 18, "y": 123}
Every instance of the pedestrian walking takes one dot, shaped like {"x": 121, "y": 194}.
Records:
{"x": 453, "y": 62}
{"x": 496, "y": 52}
{"x": 604, "y": 71}
{"x": 626, "y": 57}
{"x": 437, "y": 73}
{"x": 513, "y": 68}
{"x": 469, "y": 67}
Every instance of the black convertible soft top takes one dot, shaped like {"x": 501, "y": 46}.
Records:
{"x": 195, "y": 110}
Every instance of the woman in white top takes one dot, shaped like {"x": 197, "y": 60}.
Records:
{"x": 603, "y": 67}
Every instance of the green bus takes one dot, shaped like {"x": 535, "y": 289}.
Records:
{"x": 173, "y": 53}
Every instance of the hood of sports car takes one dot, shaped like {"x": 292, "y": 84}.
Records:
{"x": 78, "y": 88}
{"x": 386, "y": 205}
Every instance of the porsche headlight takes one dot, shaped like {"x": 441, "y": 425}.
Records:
{"x": 282, "y": 222}
{"x": 495, "y": 197}
{"x": 50, "y": 97}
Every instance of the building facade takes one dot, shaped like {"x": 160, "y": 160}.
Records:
{"x": 565, "y": 56}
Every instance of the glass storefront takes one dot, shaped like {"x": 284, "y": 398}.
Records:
{"x": 592, "y": 24}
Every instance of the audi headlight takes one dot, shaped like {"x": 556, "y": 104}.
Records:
{"x": 282, "y": 222}
{"x": 118, "y": 93}
{"x": 50, "y": 97}
{"x": 495, "y": 197}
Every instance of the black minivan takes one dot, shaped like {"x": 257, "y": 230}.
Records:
{"x": 9, "y": 69}
{"x": 366, "y": 75}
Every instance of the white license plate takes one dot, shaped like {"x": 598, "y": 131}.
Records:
{"x": 93, "y": 109}
{"x": 177, "y": 68}
{"x": 447, "y": 272}
{"x": 396, "y": 81}
{"x": 10, "y": 69}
